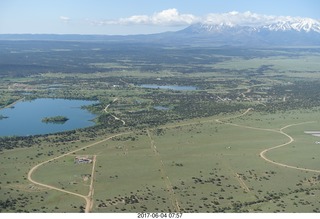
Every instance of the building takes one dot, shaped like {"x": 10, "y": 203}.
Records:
{"x": 82, "y": 160}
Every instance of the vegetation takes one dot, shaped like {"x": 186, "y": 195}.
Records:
{"x": 55, "y": 119}
{"x": 3, "y": 117}
{"x": 204, "y": 153}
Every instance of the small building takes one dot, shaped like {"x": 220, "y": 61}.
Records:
{"x": 82, "y": 160}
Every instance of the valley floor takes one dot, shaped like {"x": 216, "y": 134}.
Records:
{"x": 185, "y": 167}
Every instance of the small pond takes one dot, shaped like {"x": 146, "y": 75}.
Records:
{"x": 162, "y": 108}
{"x": 168, "y": 87}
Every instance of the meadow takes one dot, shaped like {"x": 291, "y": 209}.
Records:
{"x": 201, "y": 166}
{"x": 235, "y": 144}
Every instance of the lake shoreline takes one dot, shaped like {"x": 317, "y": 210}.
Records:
{"x": 12, "y": 104}
{"x": 33, "y": 113}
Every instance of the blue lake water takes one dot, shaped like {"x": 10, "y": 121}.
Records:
{"x": 25, "y": 118}
{"x": 163, "y": 108}
{"x": 168, "y": 87}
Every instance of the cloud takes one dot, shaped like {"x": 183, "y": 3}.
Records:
{"x": 65, "y": 19}
{"x": 249, "y": 19}
{"x": 169, "y": 17}
{"x": 172, "y": 17}
{"x": 237, "y": 18}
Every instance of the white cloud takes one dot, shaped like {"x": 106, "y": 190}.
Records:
{"x": 169, "y": 17}
{"x": 136, "y": 19}
{"x": 237, "y": 18}
{"x": 65, "y": 19}
{"x": 172, "y": 17}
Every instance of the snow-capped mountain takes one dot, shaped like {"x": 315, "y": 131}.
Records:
{"x": 300, "y": 24}
{"x": 232, "y": 28}
{"x": 284, "y": 31}
{"x": 291, "y": 24}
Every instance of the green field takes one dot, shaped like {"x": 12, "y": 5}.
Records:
{"x": 199, "y": 166}
{"x": 235, "y": 144}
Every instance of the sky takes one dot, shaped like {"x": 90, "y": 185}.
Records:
{"x": 125, "y": 17}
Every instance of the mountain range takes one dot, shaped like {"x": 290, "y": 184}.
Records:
{"x": 287, "y": 31}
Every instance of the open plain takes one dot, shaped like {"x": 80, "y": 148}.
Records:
{"x": 239, "y": 142}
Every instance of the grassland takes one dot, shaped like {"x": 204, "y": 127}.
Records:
{"x": 189, "y": 167}
{"x": 236, "y": 144}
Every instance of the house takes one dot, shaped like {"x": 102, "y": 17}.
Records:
{"x": 82, "y": 160}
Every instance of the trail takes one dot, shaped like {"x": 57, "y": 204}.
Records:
{"x": 87, "y": 198}
{"x": 244, "y": 126}
{"x": 262, "y": 153}
{"x": 242, "y": 183}
{"x": 250, "y": 99}
{"x": 174, "y": 200}
{"x": 116, "y": 118}
{"x": 91, "y": 190}
{"x": 233, "y": 117}
{"x": 14, "y": 103}
{"x": 53, "y": 187}
{"x": 263, "y": 156}
{"x": 236, "y": 175}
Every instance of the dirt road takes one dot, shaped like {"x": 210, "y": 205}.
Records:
{"x": 52, "y": 187}
{"x": 164, "y": 175}
{"x": 116, "y": 118}
{"x": 263, "y": 153}
{"x": 88, "y": 198}
{"x": 12, "y": 104}
{"x": 263, "y": 156}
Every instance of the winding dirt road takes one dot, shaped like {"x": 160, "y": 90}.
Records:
{"x": 116, "y": 118}
{"x": 263, "y": 153}
{"x": 87, "y": 198}
{"x": 263, "y": 156}
{"x": 53, "y": 187}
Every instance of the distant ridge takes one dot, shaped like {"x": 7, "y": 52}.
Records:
{"x": 290, "y": 32}
{"x": 281, "y": 31}
{"x": 285, "y": 24}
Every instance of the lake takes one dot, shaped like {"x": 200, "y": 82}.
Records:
{"x": 168, "y": 87}
{"x": 25, "y": 117}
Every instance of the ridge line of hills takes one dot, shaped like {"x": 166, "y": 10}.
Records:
{"x": 293, "y": 32}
